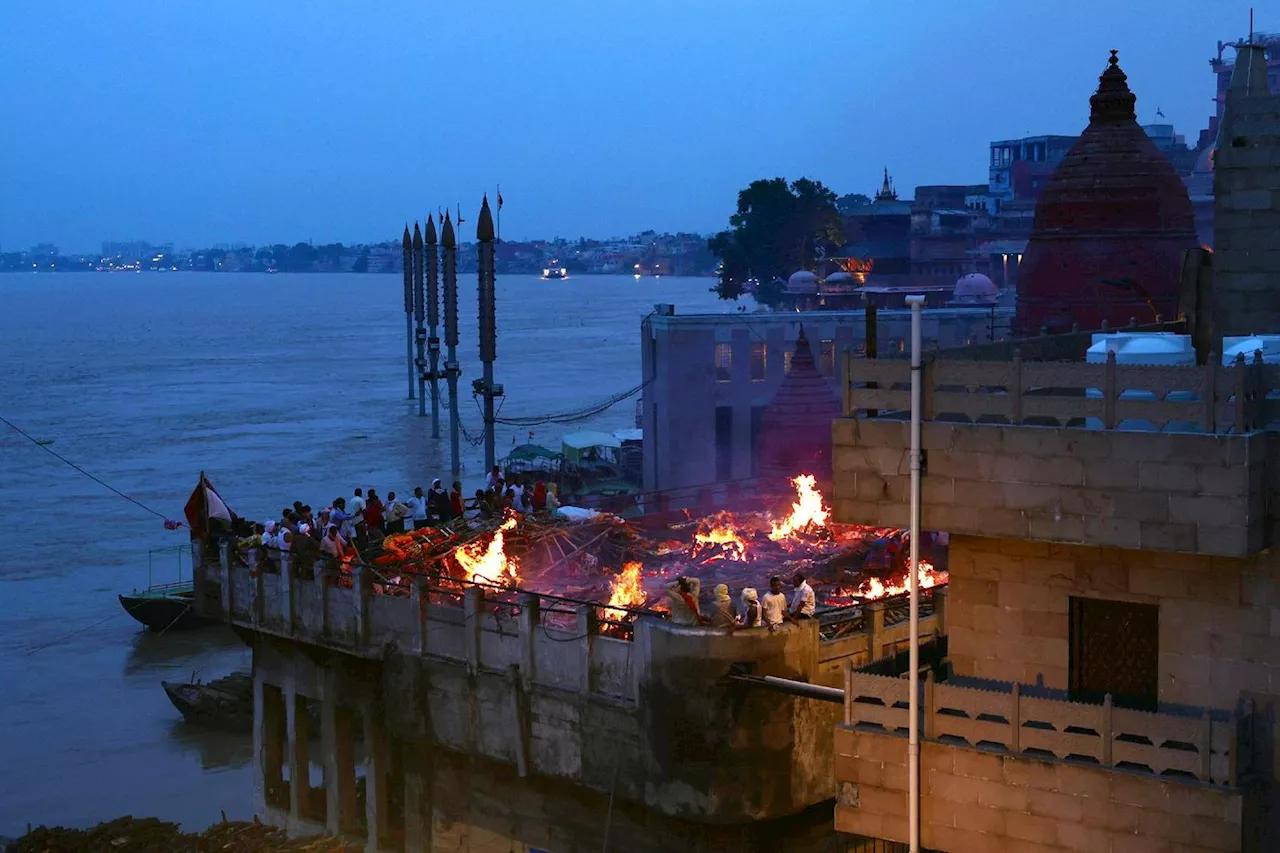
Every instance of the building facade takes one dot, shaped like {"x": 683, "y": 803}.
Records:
{"x": 710, "y": 377}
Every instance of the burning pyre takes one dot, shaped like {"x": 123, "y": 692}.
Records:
{"x": 609, "y": 560}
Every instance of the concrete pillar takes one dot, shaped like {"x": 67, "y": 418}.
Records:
{"x": 417, "y": 816}
{"x": 873, "y": 622}
{"x": 224, "y": 563}
{"x": 361, "y": 580}
{"x": 528, "y": 621}
{"x": 421, "y": 599}
{"x": 257, "y": 598}
{"x": 337, "y": 734}
{"x": 286, "y": 593}
{"x": 586, "y": 631}
{"x": 375, "y": 775}
{"x": 324, "y": 577}
{"x": 471, "y": 626}
{"x": 299, "y": 738}
{"x": 270, "y": 734}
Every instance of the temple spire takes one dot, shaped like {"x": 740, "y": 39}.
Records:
{"x": 887, "y": 192}
{"x": 1113, "y": 102}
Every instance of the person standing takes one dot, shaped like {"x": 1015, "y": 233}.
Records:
{"x": 682, "y": 595}
{"x": 774, "y": 605}
{"x": 373, "y": 515}
{"x": 751, "y": 609}
{"x": 417, "y": 509}
{"x": 357, "y": 517}
{"x": 803, "y": 604}
{"x": 393, "y": 513}
{"x": 456, "y": 503}
{"x": 722, "y": 612}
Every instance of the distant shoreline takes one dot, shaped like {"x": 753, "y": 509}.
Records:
{"x": 461, "y": 271}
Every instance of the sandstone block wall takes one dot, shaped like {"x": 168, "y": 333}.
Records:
{"x": 980, "y": 802}
{"x": 1183, "y": 492}
{"x": 1246, "y": 263}
{"x": 1007, "y": 614}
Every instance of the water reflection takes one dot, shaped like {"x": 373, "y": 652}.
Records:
{"x": 216, "y": 750}
{"x": 189, "y": 651}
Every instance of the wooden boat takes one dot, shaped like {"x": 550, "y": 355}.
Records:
{"x": 165, "y": 607}
{"x": 225, "y": 703}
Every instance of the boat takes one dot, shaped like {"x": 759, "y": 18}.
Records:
{"x": 225, "y": 703}
{"x": 531, "y": 460}
{"x": 593, "y": 468}
{"x": 553, "y": 270}
{"x": 166, "y": 606}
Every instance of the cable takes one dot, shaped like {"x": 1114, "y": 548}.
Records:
{"x": 67, "y": 461}
{"x": 576, "y": 415}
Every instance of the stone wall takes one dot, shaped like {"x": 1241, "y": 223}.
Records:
{"x": 1246, "y": 185}
{"x": 1125, "y": 489}
{"x": 1219, "y": 617}
{"x": 978, "y": 802}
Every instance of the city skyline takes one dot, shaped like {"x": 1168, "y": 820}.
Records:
{"x": 198, "y": 127}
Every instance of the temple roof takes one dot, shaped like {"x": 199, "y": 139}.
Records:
{"x": 795, "y": 429}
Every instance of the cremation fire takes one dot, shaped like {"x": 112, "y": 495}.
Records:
{"x": 845, "y": 564}
{"x": 488, "y": 562}
{"x": 626, "y": 589}
{"x": 807, "y": 513}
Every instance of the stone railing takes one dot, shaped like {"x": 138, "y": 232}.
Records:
{"x": 1168, "y": 745}
{"x": 553, "y": 641}
{"x": 872, "y": 630}
{"x": 1211, "y": 398}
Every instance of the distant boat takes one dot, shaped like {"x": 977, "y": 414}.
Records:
{"x": 554, "y": 271}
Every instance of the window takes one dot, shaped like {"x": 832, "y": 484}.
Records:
{"x": 759, "y": 360}
{"x": 724, "y": 443}
{"x": 827, "y": 359}
{"x": 1115, "y": 648}
{"x": 786, "y": 361}
{"x": 724, "y": 362}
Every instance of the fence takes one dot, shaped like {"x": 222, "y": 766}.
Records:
{"x": 1201, "y": 748}
{"x": 1206, "y": 398}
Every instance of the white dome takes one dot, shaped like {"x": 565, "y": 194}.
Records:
{"x": 975, "y": 287}
{"x": 802, "y": 281}
{"x": 841, "y": 277}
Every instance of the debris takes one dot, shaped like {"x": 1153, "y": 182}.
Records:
{"x": 150, "y": 835}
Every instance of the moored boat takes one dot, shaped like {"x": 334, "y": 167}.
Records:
{"x": 165, "y": 607}
{"x": 225, "y": 703}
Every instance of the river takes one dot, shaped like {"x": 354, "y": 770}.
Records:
{"x": 280, "y": 387}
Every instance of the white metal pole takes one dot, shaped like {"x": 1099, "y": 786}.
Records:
{"x": 913, "y": 731}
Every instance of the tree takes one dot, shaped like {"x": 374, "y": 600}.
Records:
{"x": 777, "y": 229}
{"x": 848, "y": 204}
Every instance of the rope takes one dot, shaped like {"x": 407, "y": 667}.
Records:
{"x": 56, "y": 640}
{"x": 71, "y": 464}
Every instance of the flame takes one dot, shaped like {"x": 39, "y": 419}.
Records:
{"x": 625, "y": 590}
{"x": 718, "y": 531}
{"x": 876, "y": 588}
{"x": 488, "y": 562}
{"x": 807, "y": 512}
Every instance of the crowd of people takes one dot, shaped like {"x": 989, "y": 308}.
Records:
{"x": 341, "y": 531}
{"x": 769, "y": 611}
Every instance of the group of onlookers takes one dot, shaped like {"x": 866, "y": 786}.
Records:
{"x": 769, "y": 612}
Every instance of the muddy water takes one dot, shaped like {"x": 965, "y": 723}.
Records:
{"x": 281, "y": 388}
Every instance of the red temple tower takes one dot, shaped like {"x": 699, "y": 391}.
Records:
{"x": 795, "y": 429}
{"x": 1110, "y": 227}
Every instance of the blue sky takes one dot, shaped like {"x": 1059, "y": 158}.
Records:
{"x": 264, "y": 120}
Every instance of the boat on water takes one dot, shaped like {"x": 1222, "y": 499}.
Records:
{"x": 165, "y": 606}
{"x": 225, "y": 703}
{"x": 553, "y": 271}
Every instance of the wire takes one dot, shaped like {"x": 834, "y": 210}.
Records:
{"x": 67, "y": 461}
{"x": 576, "y": 415}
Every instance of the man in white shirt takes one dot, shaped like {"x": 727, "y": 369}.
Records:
{"x": 417, "y": 509}
{"x": 773, "y": 606}
{"x": 803, "y": 604}
{"x": 356, "y": 508}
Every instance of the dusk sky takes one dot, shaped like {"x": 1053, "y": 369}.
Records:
{"x": 281, "y": 120}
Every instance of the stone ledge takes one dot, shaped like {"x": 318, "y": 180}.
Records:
{"x": 1183, "y": 492}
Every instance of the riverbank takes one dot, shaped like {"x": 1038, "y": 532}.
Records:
{"x": 151, "y": 835}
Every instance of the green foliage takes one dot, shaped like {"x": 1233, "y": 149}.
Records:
{"x": 848, "y": 204}
{"x": 776, "y": 230}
